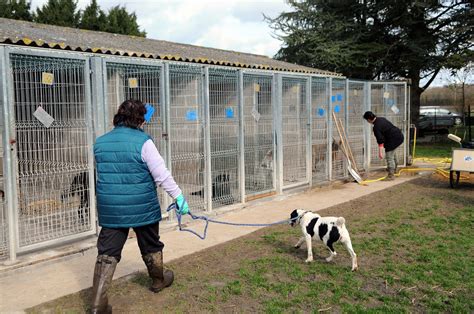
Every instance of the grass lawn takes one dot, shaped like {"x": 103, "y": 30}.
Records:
{"x": 416, "y": 254}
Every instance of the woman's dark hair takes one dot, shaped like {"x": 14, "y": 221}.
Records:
{"x": 369, "y": 115}
{"x": 131, "y": 113}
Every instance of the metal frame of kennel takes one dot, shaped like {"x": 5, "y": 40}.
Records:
{"x": 227, "y": 134}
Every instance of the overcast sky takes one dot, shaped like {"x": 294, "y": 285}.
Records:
{"x": 226, "y": 24}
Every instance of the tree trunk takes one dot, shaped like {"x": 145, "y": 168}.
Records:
{"x": 415, "y": 96}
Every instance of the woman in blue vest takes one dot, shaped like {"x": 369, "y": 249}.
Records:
{"x": 129, "y": 167}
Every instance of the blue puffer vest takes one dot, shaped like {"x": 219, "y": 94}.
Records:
{"x": 126, "y": 191}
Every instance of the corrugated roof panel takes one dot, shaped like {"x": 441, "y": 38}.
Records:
{"x": 64, "y": 38}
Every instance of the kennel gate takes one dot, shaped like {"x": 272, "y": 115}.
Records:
{"x": 224, "y": 135}
{"x": 258, "y": 133}
{"x": 338, "y": 107}
{"x": 295, "y": 130}
{"x": 389, "y": 100}
{"x": 187, "y": 132}
{"x": 50, "y": 151}
{"x": 356, "y": 106}
{"x": 320, "y": 129}
{"x": 132, "y": 79}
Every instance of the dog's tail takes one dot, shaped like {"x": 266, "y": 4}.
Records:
{"x": 340, "y": 221}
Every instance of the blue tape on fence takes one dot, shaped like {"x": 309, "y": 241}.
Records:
{"x": 229, "y": 113}
{"x": 390, "y": 102}
{"x": 191, "y": 115}
{"x": 333, "y": 98}
{"x": 149, "y": 112}
{"x": 339, "y": 97}
{"x": 321, "y": 112}
{"x": 337, "y": 109}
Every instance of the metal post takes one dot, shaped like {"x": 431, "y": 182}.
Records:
{"x": 240, "y": 101}
{"x": 207, "y": 141}
{"x": 98, "y": 100}
{"x": 90, "y": 136}
{"x": 309, "y": 132}
{"x": 330, "y": 126}
{"x": 165, "y": 96}
{"x": 406, "y": 125}
{"x": 369, "y": 137}
{"x": 366, "y": 128}
{"x": 8, "y": 151}
{"x": 278, "y": 89}
{"x": 346, "y": 125}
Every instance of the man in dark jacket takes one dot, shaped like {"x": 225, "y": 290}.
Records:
{"x": 389, "y": 137}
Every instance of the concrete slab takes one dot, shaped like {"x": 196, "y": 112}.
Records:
{"x": 36, "y": 283}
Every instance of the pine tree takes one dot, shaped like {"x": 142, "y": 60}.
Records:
{"x": 93, "y": 18}
{"x": 16, "y": 9}
{"x": 121, "y": 22}
{"x": 58, "y": 12}
{"x": 384, "y": 39}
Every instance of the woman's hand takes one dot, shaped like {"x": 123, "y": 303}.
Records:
{"x": 183, "y": 207}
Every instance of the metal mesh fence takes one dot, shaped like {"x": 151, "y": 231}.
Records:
{"x": 4, "y": 239}
{"x": 187, "y": 133}
{"x": 294, "y": 128}
{"x": 52, "y": 162}
{"x": 338, "y": 97}
{"x": 355, "y": 127}
{"x": 258, "y": 134}
{"x": 224, "y": 136}
{"x": 387, "y": 100}
{"x": 141, "y": 82}
{"x": 52, "y": 166}
{"x": 320, "y": 116}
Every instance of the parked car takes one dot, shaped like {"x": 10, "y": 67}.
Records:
{"x": 437, "y": 119}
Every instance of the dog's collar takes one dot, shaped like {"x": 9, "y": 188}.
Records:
{"x": 299, "y": 217}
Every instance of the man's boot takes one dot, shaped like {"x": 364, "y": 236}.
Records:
{"x": 390, "y": 176}
{"x": 161, "y": 278}
{"x": 103, "y": 273}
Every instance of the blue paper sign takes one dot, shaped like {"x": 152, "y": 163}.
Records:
{"x": 229, "y": 112}
{"x": 333, "y": 98}
{"x": 339, "y": 97}
{"x": 149, "y": 112}
{"x": 321, "y": 112}
{"x": 191, "y": 115}
{"x": 390, "y": 102}
{"x": 337, "y": 109}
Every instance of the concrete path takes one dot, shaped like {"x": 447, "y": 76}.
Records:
{"x": 40, "y": 282}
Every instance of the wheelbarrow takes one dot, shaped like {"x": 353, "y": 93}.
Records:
{"x": 462, "y": 160}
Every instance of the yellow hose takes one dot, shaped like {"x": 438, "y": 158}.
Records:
{"x": 443, "y": 171}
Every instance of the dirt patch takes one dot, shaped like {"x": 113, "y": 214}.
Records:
{"x": 414, "y": 243}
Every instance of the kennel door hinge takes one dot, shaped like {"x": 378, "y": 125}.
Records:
{"x": 12, "y": 142}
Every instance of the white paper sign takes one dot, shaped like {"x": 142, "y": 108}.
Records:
{"x": 395, "y": 109}
{"x": 133, "y": 82}
{"x": 255, "y": 114}
{"x": 43, "y": 117}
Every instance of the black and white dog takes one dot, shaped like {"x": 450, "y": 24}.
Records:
{"x": 329, "y": 229}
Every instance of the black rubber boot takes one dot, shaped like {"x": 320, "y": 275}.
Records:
{"x": 103, "y": 273}
{"x": 161, "y": 278}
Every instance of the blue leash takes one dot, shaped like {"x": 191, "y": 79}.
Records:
{"x": 208, "y": 220}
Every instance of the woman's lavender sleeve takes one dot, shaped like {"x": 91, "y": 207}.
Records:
{"x": 157, "y": 167}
